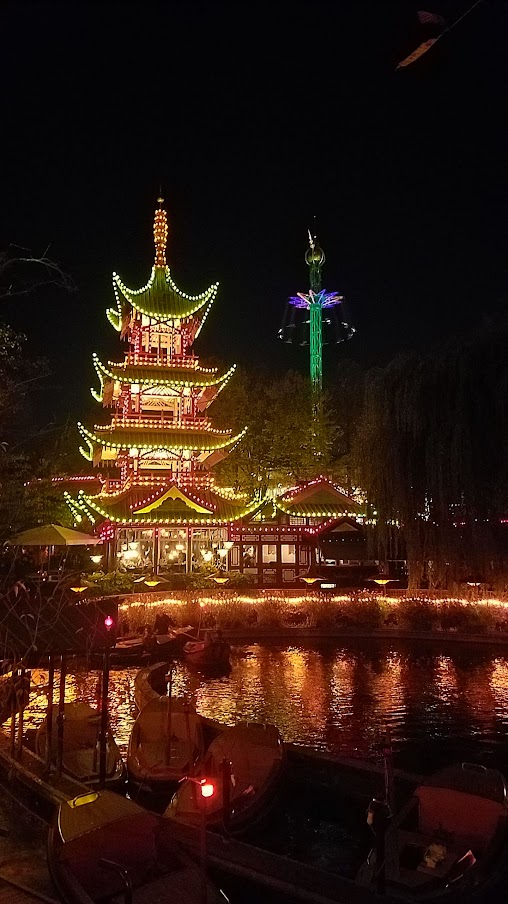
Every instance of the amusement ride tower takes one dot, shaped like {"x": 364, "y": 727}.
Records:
{"x": 320, "y": 306}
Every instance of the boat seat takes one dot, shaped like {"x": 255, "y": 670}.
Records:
{"x": 130, "y": 842}
{"x": 152, "y": 756}
{"x": 84, "y": 763}
{"x": 452, "y": 812}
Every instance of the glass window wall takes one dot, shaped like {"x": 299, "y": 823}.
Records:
{"x": 134, "y": 550}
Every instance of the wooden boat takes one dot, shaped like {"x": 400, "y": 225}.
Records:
{"x": 449, "y": 836}
{"x": 150, "y": 683}
{"x": 165, "y": 744}
{"x": 172, "y": 643}
{"x": 127, "y": 649}
{"x": 210, "y": 653}
{"x": 257, "y": 756}
{"x": 81, "y": 746}
{"x": 102, "y": 845}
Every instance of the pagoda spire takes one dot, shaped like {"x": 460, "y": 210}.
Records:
{"x": 160, "y": 234}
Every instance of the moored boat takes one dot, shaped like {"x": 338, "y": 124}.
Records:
{"x": 170, "y": 645}
{"x": 451, "y": 836}
{"x": 165, "y": 744}
{"x": 256, "y": 756}
{"x": 150, "y": 683}
{"x": 212, "y": 652}
{"x": 102, "y": 846}
{"x": 80, "y": 754}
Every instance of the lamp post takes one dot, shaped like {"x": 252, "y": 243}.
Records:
{"x": 382, "y": 580}
{"x": 103, "y": 731}
{"x": 219, "y": 578}
{"x": 228, "y": 545}
{"x": 206, "y": 791}
{"x": 312, "y": 576}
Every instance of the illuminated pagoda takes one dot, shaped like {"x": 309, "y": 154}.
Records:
{"x": 159, "y": 508}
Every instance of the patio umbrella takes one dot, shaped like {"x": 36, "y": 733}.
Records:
{"x": 52, "y": 535}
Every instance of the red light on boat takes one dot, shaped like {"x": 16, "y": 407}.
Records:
{"x": 207, "y": 789}
{"x": 108, "y": 621}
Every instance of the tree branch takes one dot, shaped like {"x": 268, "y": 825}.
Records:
{"x": 17, "y": 256}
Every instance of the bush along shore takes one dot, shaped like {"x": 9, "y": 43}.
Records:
{"x": 246, "y": 612}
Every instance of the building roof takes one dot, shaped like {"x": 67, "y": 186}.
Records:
{"x": 170, "y": 504}
{"x": 160, "y": 299}
{"x": 153, "y": 375}
{"x": 318, "y": 498}
{"x": 170, "y": 438}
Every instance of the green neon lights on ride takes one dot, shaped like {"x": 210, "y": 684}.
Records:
{"x": 315, "y": 301}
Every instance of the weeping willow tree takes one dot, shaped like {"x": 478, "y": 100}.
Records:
{"x": 431, "y": 451}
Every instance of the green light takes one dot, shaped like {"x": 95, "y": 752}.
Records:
{"x": 316, "y": 350}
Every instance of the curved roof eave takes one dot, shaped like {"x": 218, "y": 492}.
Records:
{"x": 172, "y": 304}
{"x": 195, "y": 376}
{"x": 90, "y": 502}
{"x": 199, "y": 441}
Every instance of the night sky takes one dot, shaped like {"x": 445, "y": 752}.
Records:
{"x": 254, "y": 119}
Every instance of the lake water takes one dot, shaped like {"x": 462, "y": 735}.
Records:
{"x": 440, "y": 702}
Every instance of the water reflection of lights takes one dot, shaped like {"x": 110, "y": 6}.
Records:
{"x": 499, "y": 685}
{"x": 336, "y": 698}
{"x": 446, "y": 680}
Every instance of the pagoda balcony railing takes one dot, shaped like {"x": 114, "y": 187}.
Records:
{"x": 112, "y": 486}
{"x": 157, "y": 423}
{"x": 157, "y": 360}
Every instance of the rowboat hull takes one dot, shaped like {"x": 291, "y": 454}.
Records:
{"x": 165, "y": 744}
{"x": 256, "y": 755}
{"x": 80, "y": 758}
{"x": 102, "y": 844}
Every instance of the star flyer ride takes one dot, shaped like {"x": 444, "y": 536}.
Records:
{"x": 320, "y": 306}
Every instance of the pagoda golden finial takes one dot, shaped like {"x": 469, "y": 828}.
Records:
{"x": 160, "y": 234}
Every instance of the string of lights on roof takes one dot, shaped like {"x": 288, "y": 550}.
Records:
{"x": 323, "y": 512}
{"x": 160, "y": 495}
{"x": 80, "y": 478}
{"x": 155, "y": 425}
{"x": 202, "y": 297}
{"x": 86, "y": 503}
{"x": 296, "y": 490}
{"x": 157, "y": 381}
{"x": 209, "y": 447}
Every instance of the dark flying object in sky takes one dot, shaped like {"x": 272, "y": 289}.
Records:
{"x": 434, "y": 27}
{"x": 437, "y": 26}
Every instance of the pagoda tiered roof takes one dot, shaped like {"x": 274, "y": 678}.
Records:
{"x": 169, "y": 438}
{"x": 138, "y": 505}
{"x": 157, "y": 375}
{"x": 160, "y": 299}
